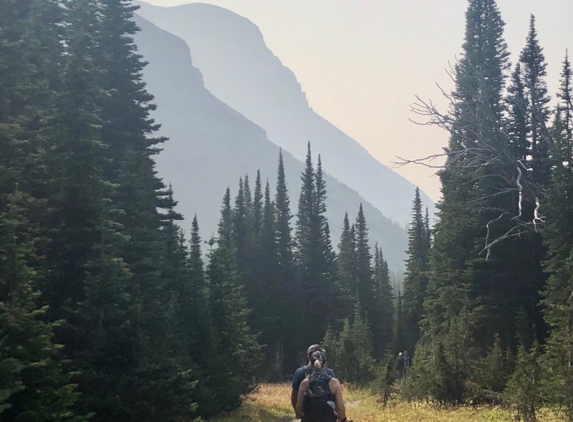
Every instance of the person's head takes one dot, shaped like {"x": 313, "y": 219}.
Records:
{"x": 318, "y": 360}
{"x": 400, "y": 354}
{"x": 313, "y": 348}
{"x": 405, "y": 353}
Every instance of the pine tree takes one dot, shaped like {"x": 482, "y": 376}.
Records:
{"x": 257, "y": 212}
{"x": 518, "y": 122}
{"x": 534, "y": 68}
{"x": 327, "y": 255}
{"x": 350, "y": 352}
{"x": 87, "y": 284}
{"x": 184, "y": 316}
{"x": 346, "y": 281}
{"x": 565, "y": 95}
{"x": 241, "y": 232}
{"x": 558, "y": 236}
{"x": 315, "y": 258}
{"x": 33, "y": 382}
{"x": 416, "y": 277}
{"x": 386, "y": 303}
{"x": 464, "y": 289}
{"x": 283, "y": 231}
{"x": 493, "y": 370}
{"x": 399, "y": 335}
{"x": 285, "y": 271}
{"x": 370, "y": 293}
{"x": 233, "y": 357}
{"x": 523, "y": 388}
{"x": 460, "y": 276}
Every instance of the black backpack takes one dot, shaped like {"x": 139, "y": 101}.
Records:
{"x": 316, "y": 406}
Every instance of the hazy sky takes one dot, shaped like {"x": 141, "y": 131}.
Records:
{"x": 361, "y": 62}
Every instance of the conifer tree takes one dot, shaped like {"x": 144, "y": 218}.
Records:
{"x": 565, "y": 96}
{"x": 346, "y": 293}
{"x": 399, "y": 336}
{"x": 285, "y": 270}
{"x": 283, "y": 231}
{"x": 233, "y": 357}
{"x": 257, "y": 212}
{"x": 33, "y": 382}
{"x": 328, "y": 256}
{"x": 535, "y": 87}
{"x": 350, "y": 352}
{"x": 416, "y": 277}
{"x": 518, "y": 121}
{"x": 558, "y": 236}
{"x": 523, "y": 389}
{"x": 241, "y": 231}
{"x": 386, "y": 302}
{"x": 460, "y": 276}
{"x": 268, "y": 247}
{"x": 315, "y": 259}
{"x": 370, "y": 294}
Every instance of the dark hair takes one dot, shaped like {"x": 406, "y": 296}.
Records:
{"x": 313, "y": 348}
{"x": 318, "y": 360}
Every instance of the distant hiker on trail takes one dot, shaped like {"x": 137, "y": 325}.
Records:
{"x": 407, "y": 362}
{"x": 400, "y": 367}
{"x": 304, "y": 372}
{"x": 320, "y": 395}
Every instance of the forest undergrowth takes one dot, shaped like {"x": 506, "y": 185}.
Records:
{"x": 271, "y": 403}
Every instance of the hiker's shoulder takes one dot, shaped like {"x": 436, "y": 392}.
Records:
{"x": 334, "y": 384}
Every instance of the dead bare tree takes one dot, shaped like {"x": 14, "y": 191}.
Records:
{"x": 483, "y": 151}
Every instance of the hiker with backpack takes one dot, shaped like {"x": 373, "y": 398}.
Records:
{"x": 304, "y": 372}
{"x": 320, "y": 394}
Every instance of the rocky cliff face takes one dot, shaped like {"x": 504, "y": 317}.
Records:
{"x": 211, "y": 145}
{"x": 240, "y": 70}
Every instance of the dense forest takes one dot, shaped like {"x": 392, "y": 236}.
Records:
{"x": 110, "y": 312}
{"x": 107, "y": 311}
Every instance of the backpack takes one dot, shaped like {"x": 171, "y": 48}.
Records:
{"x": 318, "y": 404}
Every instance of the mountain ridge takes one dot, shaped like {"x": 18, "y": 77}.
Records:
{"x": 268, "y": 93}
{"x": 212, "y": 145}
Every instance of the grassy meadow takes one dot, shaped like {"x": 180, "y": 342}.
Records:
{"x": 271, "y": 403}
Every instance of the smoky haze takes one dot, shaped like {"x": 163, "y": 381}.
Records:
{"x": 361, "y": 63}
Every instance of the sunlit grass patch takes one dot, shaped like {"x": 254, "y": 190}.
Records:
{"x": 271, "y": 403}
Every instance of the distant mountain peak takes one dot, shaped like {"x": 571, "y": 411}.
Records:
{"x": 211, "y": 145}
{"x": 243, "y": 72}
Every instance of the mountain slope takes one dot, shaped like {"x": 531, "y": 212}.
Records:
{"x": 211, "y": 146}
{"x": 268, "y": 93}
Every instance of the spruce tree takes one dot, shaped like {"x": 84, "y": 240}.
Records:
{"x": 534, "y": 67}
{"x": 386, "y": 302}
{"x": 285, "y": 271}
{"x": 370, "y": 295}
{"x": 471, "y": 286}
{"x": 518, "y": 122}
{"x": 416, "y": 277}
{"x": 34, "y": 384}
{"x": 463, "y": 272}
{"x": 558, "y": 236}
{"x": 399, "y": 338}
{"x": 257, "y": 212}
{"x": 234, "y": 355}
{"x": 283, "y": 231}
{"x": 241, "y": 231}
{"x": 565, "y": 96}
{"x": 314, "y": 255}
{"x": 346, "y": 281}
